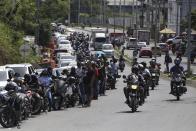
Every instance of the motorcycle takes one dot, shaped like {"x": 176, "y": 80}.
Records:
{"x": 133, "y": 94}
{"x": 110, "y": 81}
{"x": 72, "y": 93}
{"x": 154, "y": 79}
{"x": 121, "y": 66}
{"x": 178, "y": 88}
{"x": 59, "y": 99}
{"x": 9, "y": 109}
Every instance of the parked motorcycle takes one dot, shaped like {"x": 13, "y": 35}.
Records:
{"x": 9, "y": 109}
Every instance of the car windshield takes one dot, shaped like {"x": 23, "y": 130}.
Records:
{"x": 64, "y": 42}
{"x": 100, "y": 39}
{"x": 65, "y": 64}
{"x": 107, "y": 47}
{"x": 68, "y": 57}
{"x": 3, "y": 76}
{"x": 20, "y": 70}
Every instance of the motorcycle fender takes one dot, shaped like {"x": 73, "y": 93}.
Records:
{"x": 2, "y": 108}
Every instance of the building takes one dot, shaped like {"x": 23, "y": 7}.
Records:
{"x": 178, "y": 11}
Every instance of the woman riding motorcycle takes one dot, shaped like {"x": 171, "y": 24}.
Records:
{"x": 45, "y": 81}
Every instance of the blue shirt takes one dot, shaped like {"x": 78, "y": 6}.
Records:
{"x": 176, "y": 69}
{"x": 45, "y": 81}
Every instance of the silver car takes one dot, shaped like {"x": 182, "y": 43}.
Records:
{"x": 108, "y": 50}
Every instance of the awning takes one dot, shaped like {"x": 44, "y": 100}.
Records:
{"x": 167, "y": 31}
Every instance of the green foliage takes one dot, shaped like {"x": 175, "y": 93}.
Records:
{"x": 193, "y": 22}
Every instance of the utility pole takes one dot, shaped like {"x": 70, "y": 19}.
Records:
{"x": 69, "y": 15}
{"x": 156, "y": 31}
{"x": 78, "y": 12}
{"x": 124, "y": 17}
{"x": 37, "y": 21}
{"x": 114, "y": 15}
{"x": 177, "y": 17}
{"x": 189, "y": 47}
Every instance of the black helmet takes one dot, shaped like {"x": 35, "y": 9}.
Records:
{"x": 177, "y": 61}
{"x": 135, "y": 69}
{"x": 27, "y": 78}
{"x": 44, "y": 73}
{"x": 144, "y": 64}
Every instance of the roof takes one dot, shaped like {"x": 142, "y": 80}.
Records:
{"x": 100, "y": 35}
{"x": 167, "y": 31}
{"x": 127, "y": 2}
{"x": 18, "y": 65}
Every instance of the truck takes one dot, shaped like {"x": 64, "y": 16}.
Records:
{"x": 142, "y": 36}
{"x": 94, "y": 31}
{"x": 99, "y": 40}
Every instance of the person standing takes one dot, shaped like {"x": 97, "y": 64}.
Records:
{"x": 168, "y": 60}
{"x": 88, "y": 83}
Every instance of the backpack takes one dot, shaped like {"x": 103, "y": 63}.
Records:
{"x": 169, "y": 59}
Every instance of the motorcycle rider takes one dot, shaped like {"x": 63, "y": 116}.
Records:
{"x": 121, "y": 61}
{"x": 45, "y": 81}
{"x": 177, "y": 69}
{"x": 135, "y": 73}
{"x": 146, "y": 74}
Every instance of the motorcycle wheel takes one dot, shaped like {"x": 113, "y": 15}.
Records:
{"x": 46, "y": 104}
{"x": 56, "y": 104}
{"x": 133, "y": 105}
{"x": 7, "y": 118}
{"x": 36, "y": 106}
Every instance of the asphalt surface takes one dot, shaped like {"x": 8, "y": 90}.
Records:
{"x": 161, "y": 112}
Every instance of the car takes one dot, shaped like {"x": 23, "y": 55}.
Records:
{"x": 175, "y": 40}
{"x": 156, "y": 51}
{"x": 131, "y": 43}
{"x": 141, "y": 44}
{"x": 22, "y": 69}
{"x": 5, "y": 74}
{"x": 108, "y": 50}
{"x": 67, "y": 60}
{"x": 164, "y": 47}
{"x": 65, "y": 44}
{"x": 145, "y": 51}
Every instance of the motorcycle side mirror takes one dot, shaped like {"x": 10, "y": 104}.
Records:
{"x": 124, "y": 77}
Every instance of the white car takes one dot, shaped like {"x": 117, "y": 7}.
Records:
{"x": 67, "y": 60}
{"x": 22, "y": 69}
{"x": 175, "y": 40}
{"x": 108, "y": 50}
{"x": 65, "y": 44}
{"x": 5, "y": 74}
{"x": 141, "y": 44}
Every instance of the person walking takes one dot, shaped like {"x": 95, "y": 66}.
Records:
{"x": 168, "y": 60}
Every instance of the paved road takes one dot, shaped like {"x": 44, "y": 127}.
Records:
{"x": 161, "y": 60}
{"x": 160, "y": 113}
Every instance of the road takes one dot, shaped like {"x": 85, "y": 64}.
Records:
{"x": 160, "y": 113}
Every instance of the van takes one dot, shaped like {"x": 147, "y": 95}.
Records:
{"x": 22, "y": 69}
{"x": 100, "y": 39}
{"x": 5, "y": 74}
{"x": 131, "y": 43}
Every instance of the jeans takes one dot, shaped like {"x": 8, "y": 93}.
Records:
{"x": 102, "y": 86}
{"x": 82, "y": 93}
{"x": 95, "y": 89}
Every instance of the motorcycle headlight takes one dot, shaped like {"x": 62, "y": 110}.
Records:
{"x": 134, "y": 87}
{"x": 153, "y": 74}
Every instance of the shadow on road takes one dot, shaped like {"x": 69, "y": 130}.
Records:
{"x": 172, "y": 100}
{"x": 128, "y": 112}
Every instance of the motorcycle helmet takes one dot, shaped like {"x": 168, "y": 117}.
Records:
{"x": 71, "y": 80}
{"x": 177, "y": 61}
{"x": 27, "y": 78}
{"x": 135, "y": 69}
{"x": 44, "y": 73}
{"x": 141, "y": 67}
{"x": 144, "y": 64}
